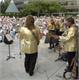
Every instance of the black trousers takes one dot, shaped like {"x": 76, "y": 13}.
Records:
{"x": 70, "y": 56}
{"x": 51, "y": 43}
{"x": 30, "y": 61}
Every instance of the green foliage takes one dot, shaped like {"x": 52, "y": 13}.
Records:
{"x": 37, "y": 7}
{"x": 4, "y": 6}
{"x": 55, "y": 7}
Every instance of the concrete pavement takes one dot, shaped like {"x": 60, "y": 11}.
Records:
{"x": 46, "y": 67}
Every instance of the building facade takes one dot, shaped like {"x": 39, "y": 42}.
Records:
{"x": 70, "y": 5}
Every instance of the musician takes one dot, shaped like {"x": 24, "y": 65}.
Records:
{"x": 29, "y": 37}
{"x": 51, "y": 28}
{"x": 62, "y": 28}
{"x": 69, "y": 39}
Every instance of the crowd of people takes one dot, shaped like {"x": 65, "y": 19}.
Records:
{"x": 58, "y": 30}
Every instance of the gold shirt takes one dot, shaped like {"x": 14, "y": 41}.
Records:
{"x": 28, "y": 41}
{"x": 69, "y": 39}
{"x": 51, "y": 27}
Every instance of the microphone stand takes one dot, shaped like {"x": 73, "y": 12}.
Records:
{"x": 59, "y": 56}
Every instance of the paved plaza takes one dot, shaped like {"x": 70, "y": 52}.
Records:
{"x": 46, "y": 67}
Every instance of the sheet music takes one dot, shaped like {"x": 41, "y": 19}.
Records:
{"x": 8, "y": 36}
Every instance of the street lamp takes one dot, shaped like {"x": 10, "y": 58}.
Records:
{"x": 39, "y": 8}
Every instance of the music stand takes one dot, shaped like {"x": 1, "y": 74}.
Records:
{"x": 8, "y": 42}
{"x": 9, "y": 56}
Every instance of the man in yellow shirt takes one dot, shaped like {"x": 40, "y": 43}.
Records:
{"x": 29, "y": 39}
{"x": 69, "y": 39}
{"x": 51, "y": 28}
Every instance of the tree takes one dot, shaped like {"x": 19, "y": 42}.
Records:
{"x": 56, "y": 7}
{"x": 4, "y": 6}
{"x": 37, "y": 7}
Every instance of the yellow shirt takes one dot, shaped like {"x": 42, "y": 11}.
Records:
{"x": 69, "y": 39}
{"x": 28, "y": 41}
{"x": 62, "y": 27}
{"x": 51, "y": 27}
